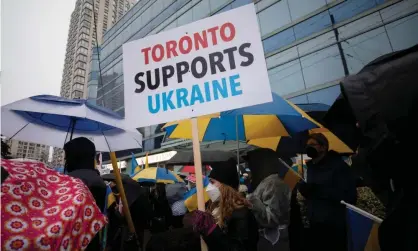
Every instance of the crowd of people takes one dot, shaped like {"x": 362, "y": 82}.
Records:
{"x": 246, "y": 211}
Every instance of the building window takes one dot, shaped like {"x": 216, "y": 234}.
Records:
{"x": 78, "y": 86}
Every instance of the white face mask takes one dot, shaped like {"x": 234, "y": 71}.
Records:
{"x": 213, "y": 192}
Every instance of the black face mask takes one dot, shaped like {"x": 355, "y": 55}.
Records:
{"x": 311, "y": 152}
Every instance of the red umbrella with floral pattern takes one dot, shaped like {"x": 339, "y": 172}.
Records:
{"x": 42, "y": 209}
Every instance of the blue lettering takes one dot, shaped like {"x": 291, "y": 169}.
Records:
{"x": 235, "y": 85}
{"x": 196, "y": 95}
{"x": 151, "y": 109}
{"x": 207, "y": 92}
{"x": 182, "y": 97}
{"x": 167, "y": 100}
{"x": 218, "y": 89}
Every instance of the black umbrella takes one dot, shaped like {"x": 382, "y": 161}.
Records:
{"x": 341, "y": 121}
{"x": 208, "y": 157}
{"x": 133, "y": 189}
{"x": 317, "y": 111}
{"x": 385, "y": 92}
{"x": 384, "y": 99}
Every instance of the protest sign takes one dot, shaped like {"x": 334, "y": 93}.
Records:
{"x": 211, "y": 65}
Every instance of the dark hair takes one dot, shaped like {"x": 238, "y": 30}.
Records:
{"x": 80, "y": 153}
{"x": 320, "y": 138}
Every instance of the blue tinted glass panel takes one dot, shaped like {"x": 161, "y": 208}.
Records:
{"x": 302, "y": 99}
{"x": 226, "y": 8}
{"x": 279, "y": 40}
{"x": 239, "y": 3}
{"x": 121, "y": 112}
{"x": 350, "y": 8}
{"x": 312, "y": 25}
{"x": 151, "y": 144}
{"x": 94, "y": 75}
{"x": 325, "y": 96}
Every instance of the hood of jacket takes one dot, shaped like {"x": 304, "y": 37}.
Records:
{"x": 262, "y": 162}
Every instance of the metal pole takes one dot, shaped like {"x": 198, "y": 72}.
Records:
{"x": 340, "y": 48}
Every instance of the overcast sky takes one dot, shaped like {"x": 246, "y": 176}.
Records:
{"x": 34, "y": 38}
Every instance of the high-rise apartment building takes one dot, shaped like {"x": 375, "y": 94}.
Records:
{"x": 26, "y": 150}
{"x": 85, "y": 29}
{"x": 82, "y": 38}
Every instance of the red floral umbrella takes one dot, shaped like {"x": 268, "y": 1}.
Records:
{"x": 42, "y": 209}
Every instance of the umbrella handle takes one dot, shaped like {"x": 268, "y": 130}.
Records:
{"x": 119, "y": 185}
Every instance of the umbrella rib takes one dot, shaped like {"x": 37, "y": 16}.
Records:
{"x": 68, "y": 130}
{"x": 107, "y": 143}
{"x": 140, "y": 145}
{"x": 20, "y": 130}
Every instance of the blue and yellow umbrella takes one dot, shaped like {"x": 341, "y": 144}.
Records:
{"x": 277, "y": 118}
{"x": 157, "y": 175}
{"x": 286, "y": 145}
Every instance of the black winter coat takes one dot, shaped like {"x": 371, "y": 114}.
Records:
{"x": 91, "y": 178}
{"x": 240, "y": 234}
{"x": 328, "y": 183}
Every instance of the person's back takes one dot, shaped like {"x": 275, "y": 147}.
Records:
{"x": 94, "y": 182}
{"x": 79, "y": 163}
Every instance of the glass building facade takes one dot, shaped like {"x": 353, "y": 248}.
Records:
{"x": 299, "y": 38}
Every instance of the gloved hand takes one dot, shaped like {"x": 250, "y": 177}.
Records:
{"x": 203, "y": 222}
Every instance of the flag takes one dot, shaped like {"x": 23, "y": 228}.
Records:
{"x": 190, "y": 198}
{"x": 146, "y": 160}
{"x": 288, "y": 175}
{"x": 362, "y": 229}
{"x": 134, "y": 166}
{"x": 110, "y": 199}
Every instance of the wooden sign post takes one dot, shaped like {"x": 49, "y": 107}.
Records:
{"x": 198, "y": 171}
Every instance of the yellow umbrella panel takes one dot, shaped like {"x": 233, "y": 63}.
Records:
{"x": 335, "y": 144}
{"x": 157, "y": 175}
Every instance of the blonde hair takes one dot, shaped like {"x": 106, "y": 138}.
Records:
{"x": 229, "y": 201}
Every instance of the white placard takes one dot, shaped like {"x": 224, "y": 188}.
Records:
{"x": 156, "y": 158}
{"x": 212, "y": 65}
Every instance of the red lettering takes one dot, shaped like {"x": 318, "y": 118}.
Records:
{"x": 154, "y": 53}
{"x": 231, "y": 28}
{"x": 189, "y": 47}
{"x": 212, "y": 31}
{"x": 146, "y": 55}
{"x": 200, "y": 40}
{"x": 171, "y": 48}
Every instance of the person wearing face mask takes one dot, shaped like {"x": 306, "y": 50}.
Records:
{"x": 329, "y": 181}
{"x": 228, "y": 224}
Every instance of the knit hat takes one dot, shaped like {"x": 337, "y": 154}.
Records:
{"x": 226, "y": 172}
